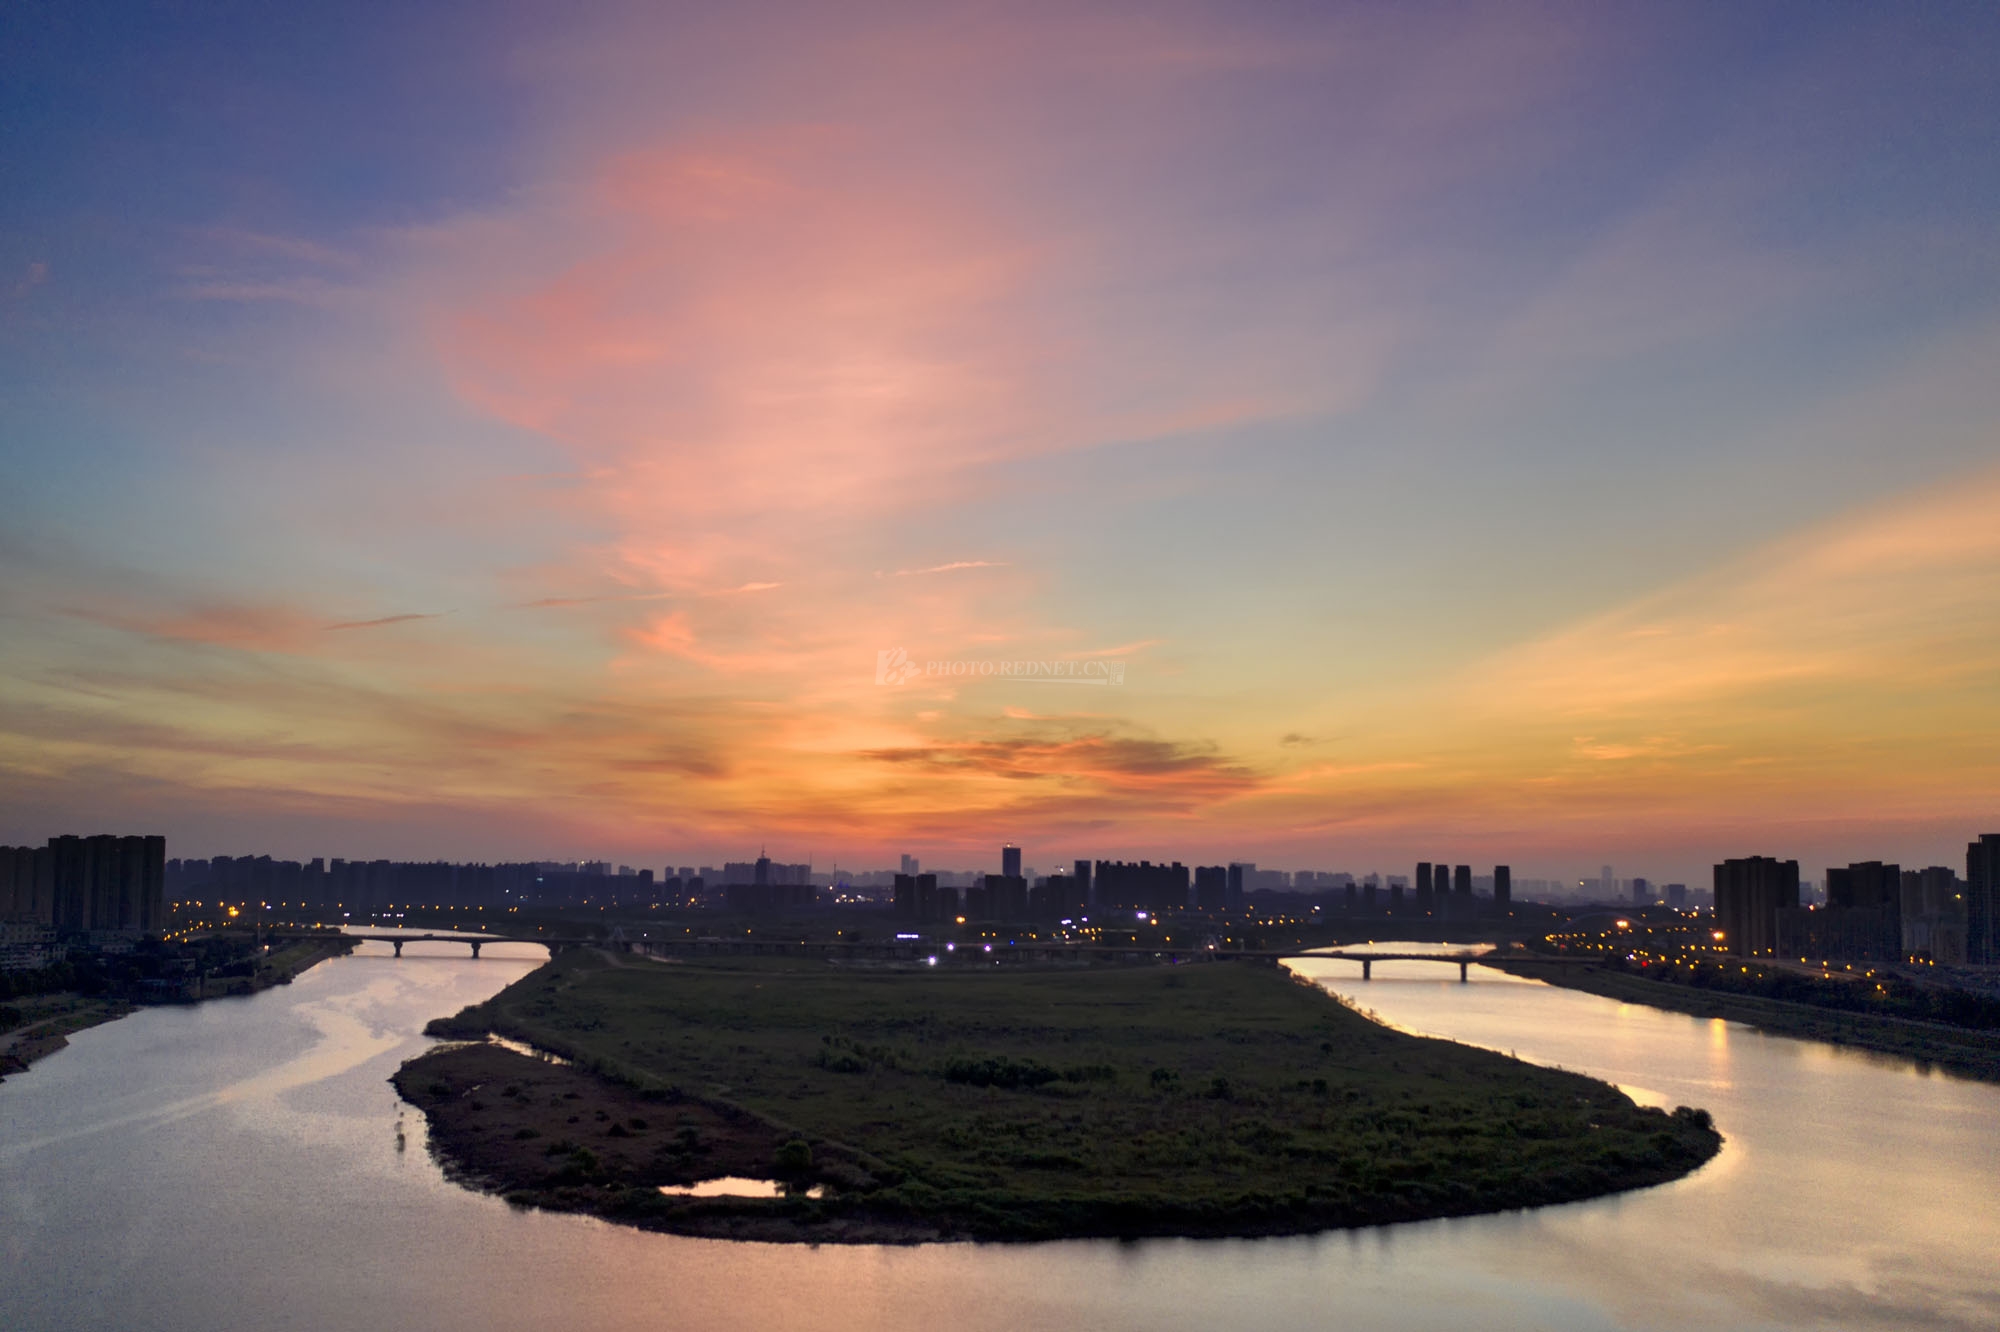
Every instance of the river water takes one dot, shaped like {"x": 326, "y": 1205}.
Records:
{"x": 235, "y": 1165}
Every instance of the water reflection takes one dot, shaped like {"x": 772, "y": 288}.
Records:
{"x": 235, "y": 1164}
{"x": 735, "y": 1186}
{"x": 523, "y": 1048}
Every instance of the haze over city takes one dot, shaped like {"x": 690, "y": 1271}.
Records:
{"x": 1540, "y": 435}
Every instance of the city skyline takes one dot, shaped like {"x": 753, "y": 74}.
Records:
{"x": 1511, "y": 437}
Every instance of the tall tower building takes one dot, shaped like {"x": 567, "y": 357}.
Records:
{"x": 1749, "y": 893}
{"x": 1010, "y": 861}
{"x": 1503, "y": 887}
{"x": 1982, "y": 900}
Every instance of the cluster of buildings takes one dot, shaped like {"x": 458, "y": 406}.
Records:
{"x": 1441, "y": 891}
{"x": 371, "y": 887}
{"x": 105, "y": 890}
{"x": 1873, "y": 911}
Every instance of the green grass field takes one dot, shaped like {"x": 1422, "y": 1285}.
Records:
{"x": 1012, "y": 1102}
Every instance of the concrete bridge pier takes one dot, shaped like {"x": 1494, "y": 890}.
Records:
{"x": 397, "y": 944}
{"x": 1461, "y": 971}
{"x": 475, "y": 950}
{"x": 1367, "y": 969}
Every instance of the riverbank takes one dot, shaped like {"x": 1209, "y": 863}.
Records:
{"x": 1207, "y": 1100}
{"x": 1960, "y": 1050}
{"x": 46, "y": 1022}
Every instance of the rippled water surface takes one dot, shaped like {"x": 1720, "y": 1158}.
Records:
{"x": 235, "y": 1164}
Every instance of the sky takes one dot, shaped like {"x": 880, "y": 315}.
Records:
{"x": 1553, "y": 435}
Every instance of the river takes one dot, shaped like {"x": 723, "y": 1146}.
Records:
{"x": 235, "y": 1165}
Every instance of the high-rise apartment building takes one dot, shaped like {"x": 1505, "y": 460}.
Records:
{"x": 27, "y": 884}
{"x": 1749, "y": 893}
{"x": 1982, "y": 900}
{"x": 1211, "y": 887}
{"x": 1867, "y": 886}
{"x": 1144, "y": 886}
{"x": 109, "y": 883}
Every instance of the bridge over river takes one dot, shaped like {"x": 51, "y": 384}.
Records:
{"x": 920, "y": 950}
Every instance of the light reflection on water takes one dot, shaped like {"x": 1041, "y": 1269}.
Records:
{"x": 235, "y": 1164}
{"x": 735, "y": 1186}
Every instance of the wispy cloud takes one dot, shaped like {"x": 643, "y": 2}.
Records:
{"x": 556, "y": 603}
{"x": 948, "y": 568}
{"x": 1120, "y": 650}
{"x": 285, "y": 247}
{"x": 380, "y": 621}
{"x": 307, "y": 291}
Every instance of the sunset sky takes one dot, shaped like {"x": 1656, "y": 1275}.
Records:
{"x": 1551, "y": 434}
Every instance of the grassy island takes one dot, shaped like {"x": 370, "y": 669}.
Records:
{"x": 1006, "y": 1103}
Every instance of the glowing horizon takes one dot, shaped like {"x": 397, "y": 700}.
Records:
{"x": 1551, "y": 439}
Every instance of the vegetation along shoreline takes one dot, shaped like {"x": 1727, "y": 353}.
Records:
{"x": 908, "y": 1105}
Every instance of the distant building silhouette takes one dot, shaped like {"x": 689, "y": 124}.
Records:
{"x": 1932, "y": 915}
{"x": 1010, "y": 861}
{"x": 998, "y": 897}
{"x": 1503, "y": 887}
{"x": 1426, "y": 902}
{"x": 1143, "y": 886}
{"x": 1868, "y": 886}
{"x": 1211, "y": 887}
{"x": 920, "y": 900}
{"x": 27, "y": 885}
{"x": 109, "y": 883}
{"x": 1057, "y": 897}
{"x": 1861, "y": 921}
{"x": 1749, "y": 893}
{"x": 1982, "y": 900}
